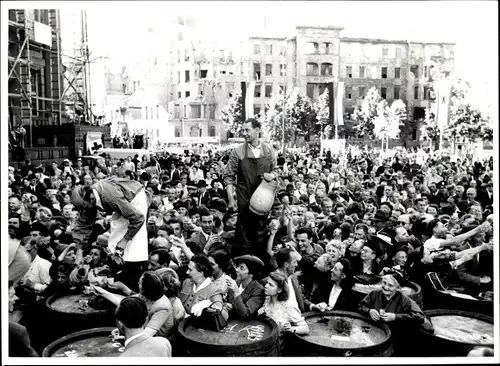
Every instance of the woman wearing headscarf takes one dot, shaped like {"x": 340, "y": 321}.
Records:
{"x": 389, "y": 306}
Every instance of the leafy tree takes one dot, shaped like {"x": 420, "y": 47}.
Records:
{"x": 367, "y": 113}
{"x": 322, "y": 110}
{"x": 389, "y": 120}
{"x": 232, "y": 114}
{"x": 465, "y": 120}
{"x": 300, "y": 117}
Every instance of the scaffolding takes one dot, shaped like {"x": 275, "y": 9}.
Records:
{"x": 77, "y": 91}
{"x": 34, "y": 61}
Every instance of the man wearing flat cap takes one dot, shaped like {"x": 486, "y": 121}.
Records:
{"x": 128, "y": 237}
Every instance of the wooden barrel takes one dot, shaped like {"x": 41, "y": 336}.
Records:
{"x": 240, "y": 338}
{"x": 85, "y": 343}
{"x": 435, "y": 299}
{"x": 456, "y": 332}
{"x": 342, "y": 333}
{"x": 412, "y": 290}
{"x": 68, "y": 313}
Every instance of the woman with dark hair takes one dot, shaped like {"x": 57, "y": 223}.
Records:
{"x": 336, "y": 294}
{"x": 246, "y": 295}
{"x": 198, "y": 291}
{"x": 151, "y": 290}
{"x": 220, "y": 260}
{"x": 276, "y": 306}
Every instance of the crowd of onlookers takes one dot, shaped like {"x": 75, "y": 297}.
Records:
{"x": 336, "y": 221}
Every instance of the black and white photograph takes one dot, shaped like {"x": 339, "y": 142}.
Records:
{"x": 249, "y": 182}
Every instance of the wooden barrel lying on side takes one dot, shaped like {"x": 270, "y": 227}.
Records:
{"x": 455, "y": 333}
{"x": 412, "y": 290}
{"x": 457, "y": 301}
{"x": 240, "y": 338}
{"x": 68, "y": 313}
{"x": 86, "y": 343}
{"x": 342, "y": 333}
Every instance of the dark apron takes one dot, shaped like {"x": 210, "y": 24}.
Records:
{"x": 250, "y": 228}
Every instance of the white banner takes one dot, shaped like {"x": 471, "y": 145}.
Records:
{"x": 43, "y": 34}
{"x": 443, "y": 103}
{"x": 339, "y": 120}
{"x": 249, "y": 99}
{"x": 335, "y": 146}
{"x": 93, "y": 142}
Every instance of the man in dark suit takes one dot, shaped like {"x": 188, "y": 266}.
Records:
{"x": 464, "y": 205}
{"x": 174, "y": 173}
{"x": 336, "y": 294}
{"x": 485, "y": 195}
{"x": 218, "y": 188}
{"x": 476, "y": 275}
{"x": 204, "y": 196}
{"x": 131, "y": 318}
{"x": 202, "y": 238}
{"x": 436, "y": 196}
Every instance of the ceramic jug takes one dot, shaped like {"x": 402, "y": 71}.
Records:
{"x": 262, "y": 199}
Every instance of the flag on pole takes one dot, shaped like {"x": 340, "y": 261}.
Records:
{"x": 443, "y": 103}
{"x": 339, "y": 110}
{"x": 249, "y": 99}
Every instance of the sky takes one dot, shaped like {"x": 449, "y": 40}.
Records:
{"x": 472, "y": 25}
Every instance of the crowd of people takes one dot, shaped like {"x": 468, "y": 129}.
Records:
{"x": 165, "y": 239}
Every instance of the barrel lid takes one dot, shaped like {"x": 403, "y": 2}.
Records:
{"x": 462, "y": 326}
{"x": 344, "y": 330}
{"x": 93, "y": 342}
{"x": 73, "y": 304}
{"x": 236, "y": 333}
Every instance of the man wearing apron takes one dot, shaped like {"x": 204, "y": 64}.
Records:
{"x": 249, "y": 162}
{"x": 128, "y": 238}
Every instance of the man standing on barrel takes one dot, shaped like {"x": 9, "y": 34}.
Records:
{"x": 128, "y": 238}
{"x": 249, "y": 162}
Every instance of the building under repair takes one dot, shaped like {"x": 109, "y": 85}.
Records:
{"x": 48, "y": 111}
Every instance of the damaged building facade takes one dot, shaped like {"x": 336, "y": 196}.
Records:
{"x": 316, "y": 56}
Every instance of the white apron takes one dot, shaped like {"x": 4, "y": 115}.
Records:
{"x": 137, "y": 247}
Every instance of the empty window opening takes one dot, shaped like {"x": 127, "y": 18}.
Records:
{"x": 310, "y": 90}
{"x": 348, "y": 72}
{"x": 312, "y": 69}
{"x": 414, "y": 70}
{"x": 326, "y": 69}
{"x": 384, "y": 72}
{"x": 256, "y": 109}
{"x": 268, "y": 90}
{"x": 269, "y": 69}
{"x": 348, "y": 92}
{"x": 396, "y": 92}
{"x": 256, "y": 93}
{"x": 418, "y": 113}
{"x": 397, "y": 72}
{"x": 282, "y": 69}
{"x": 256, "y": 71}
{"x": 311, "y": 48}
